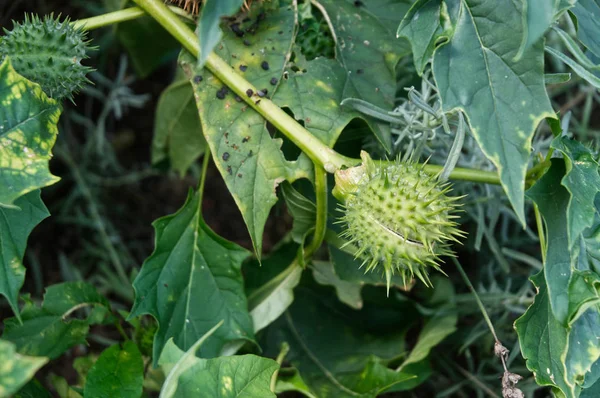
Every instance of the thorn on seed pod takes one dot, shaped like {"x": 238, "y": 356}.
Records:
{"x": 388, "y": 224}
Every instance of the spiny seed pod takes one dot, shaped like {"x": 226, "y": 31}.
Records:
{"x": 48, "y": 52}
{"x": 399, "y": 218}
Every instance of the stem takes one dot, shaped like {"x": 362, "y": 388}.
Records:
{"x": 540, "y": 227}
{"x": 115, "y": 17}
{"x": 285, "y": 348}
{"x": 321, "y": 223}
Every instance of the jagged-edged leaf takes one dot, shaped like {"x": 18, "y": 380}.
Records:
{"x": 561, "y": 355}
{"x": 52, "y": 329}
{"x": 177, "y": 130}
{"x": 244, "y": 376}
{"x": 28, "y": 131}
{"x": 15, "y": 227}
{"x": 476, "y": 72}
{"x": 347, "y": 292}
{"x": 270, "y": 285}
{"x": 249, "y": 160}
{"x": 209, "y": 31}
{"x": 553, "y": 199}
{"x": 118, "y": 372}
{"x": 588, "y": 24}
{"x": 314, "y": 90}
{"x": 539, "y": 15}
{"x": 368, "y": 50}
{"x": 191, "y": 281}
{"x": 582, "y": 180}
{"x": 16, "y": 369}
{"x": 423, "y": 28}
{"x": 340, "y": 352}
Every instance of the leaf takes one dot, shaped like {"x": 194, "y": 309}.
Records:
{"x": 580, "y": 70}
{"x": 335, "y": 348}
{"x": 15, "y": 227}
{"x": 475, "y": 72}
{"x": 177, "y": 130}
{"x": 33, "y": 389}
{"x": 588, "y": 25}
{"x": 249, "y": 160}
{"x": 149, "y": 46}
{"x": 303, "y": 210}
{"x": 368, "y": 50}
{"x": 191, "y": 281}
{"x": 422, "y": 27}
{"x": 347, "y": 292}
{"x": 118, "y": 372}
{"x": 209, "y": 32}
{"x": 582, "y": 180}
{"x": 289, "y": 379}
{"x": 28, "y": 131}
{"x": 349, "y": 269}
{"x": 539, "y": 15}
{"x": 552, "y": 200}
{"x": 314, "y": 91}
{"x": 48, "y": 331}
{"x": 270, "y": 287}
{"x": 241, "y": 376}
{"x": 16, "y": 369}
{"x": 436, "y": 329}
{"x": 559, "y": 355}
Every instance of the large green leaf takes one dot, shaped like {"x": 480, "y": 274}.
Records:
{"x": 476, "y": 72}
{"x": 539, "y": 15}
{"x": 209, "y": 32}
{"x": 177, "y": 130}
{"x": 245, "y": 376}
{"x": 338, "y": 351}
{"x": 314, "y": 90}
{"x": 16, "y": 369}
{"x": 15, "y": 227}
{"x": 562, "y": 356}
{"x": 249, "y": 160}
{"x": 191, "y": 281}
{"x": 368, "y": 50}
{"x": 118, "y": 372}
{"x": 28, "y": 131}
{"x": 582, "y": 180}
{"x": 48, "y": 330}
{"x": 588, "y": 24}
{"x": 552, "y": 199}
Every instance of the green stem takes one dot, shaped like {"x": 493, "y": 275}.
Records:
{"x": 285, "y": 348}
{"x": 116, "y": 17}
{"x": 540, "y": 227}
{"x": 321, "y": 223}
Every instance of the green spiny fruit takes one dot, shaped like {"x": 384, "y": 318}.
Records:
{"x": 399, "y": 218}
{"x": 48, "y": 52}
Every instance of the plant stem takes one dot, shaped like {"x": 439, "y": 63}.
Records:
{"x": 285, "y": 348}
{"x": 116, "y": 17}
{"x": 321, "y": 223}
{"x": 540, "y": 227}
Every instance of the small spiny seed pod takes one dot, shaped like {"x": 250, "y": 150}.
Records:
{"x": 399, "y": 218}
{"x": 48, "y": 52}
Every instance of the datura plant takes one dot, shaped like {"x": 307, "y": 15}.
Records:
{"x": 425, "y": 163}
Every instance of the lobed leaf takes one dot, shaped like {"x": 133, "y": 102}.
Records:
{"x": 191, "y": 281}
{"x": 16, "y": 369}
{"x": 28, "y": 131}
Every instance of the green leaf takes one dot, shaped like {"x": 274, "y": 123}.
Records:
{"x": 303, "y": 210}
{"x": 28, "y": 131}
{"x": 33, "y": 389}
{"x": 209, "y": 32}
{"x": 539, "y": 15}
{"x": 314, "y": 90}
{"x": 15, "y": 227}
{"x": 249, "y": 160}
{"x": 118, "y": 372}
{"x": 561, "y": 356}
{"x": 588, "y": 24}
{"x": 289, "y": 379}
{"x": 423, "y": 29}
{"x": 552, "y": 200}
{"x": 436, "y": 329}
{"x": 347, "y": 292}
{"x": 582, "y": 180}
{"x": 338, "y": 351}
{"x": 177, "y": 130}
{"x": 270, "y": 286}
{"x": 368, "y": 50}
{"x": 349, "y": 269}
{"x": 244, "y": 376}
{"x": 149, "y": 46}
{"x": 16, "y": 369}
{"x": 191, "y": 281}
{"x": 579, "y": 69}
{"x": 47, "y": 331}
{"x": 475, "y": 72}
